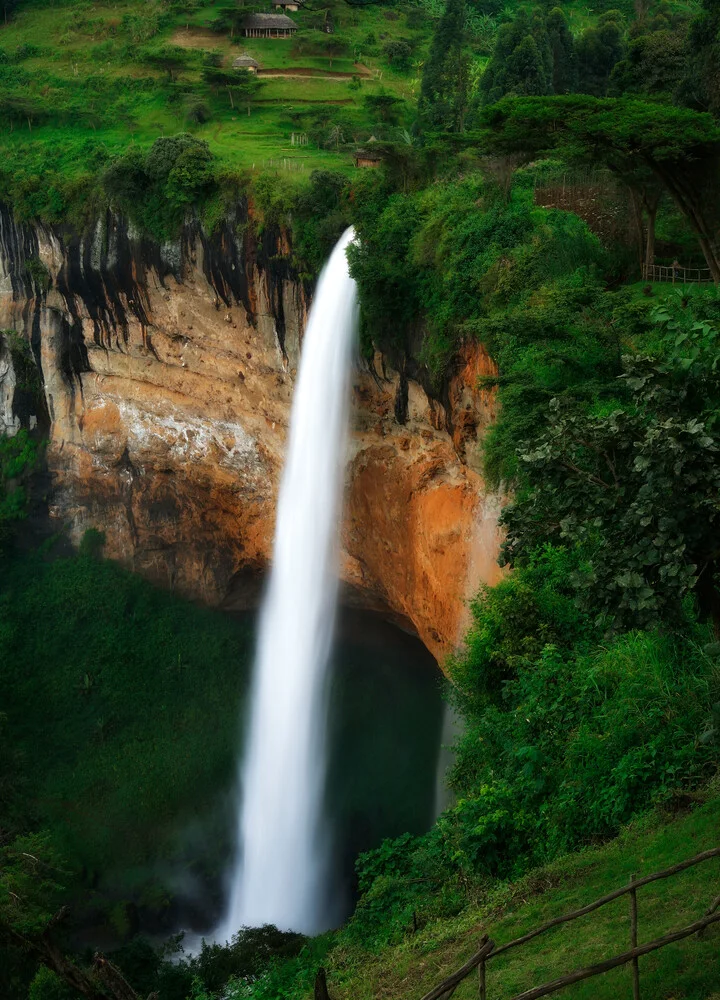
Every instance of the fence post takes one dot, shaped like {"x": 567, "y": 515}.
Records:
{"x": 481, "y": 979}
{"x": 634, "y": 939}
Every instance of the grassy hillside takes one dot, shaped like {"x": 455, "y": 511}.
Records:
{"x": 689, "y": 970}
{"x": 80, "y": 83}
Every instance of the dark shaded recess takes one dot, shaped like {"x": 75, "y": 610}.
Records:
{"x": 278, "y": 269}
{"x": 418, "y": 373}
{"x": 165, "y": 509}
{"x": 245, "y": 589}
{"x": 73, "y": 353}
{"x": 106, "y": 277}
{"x": 226, "y": 264}
{"x": 401, "y": 398}
{"x": 385, "y": 723}
{"x": 29, "y": 398}
{"x": 19, "y": 244}
{"x": 405, "y": 362}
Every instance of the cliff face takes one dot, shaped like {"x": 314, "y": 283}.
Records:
{"x": 168, "y": 375}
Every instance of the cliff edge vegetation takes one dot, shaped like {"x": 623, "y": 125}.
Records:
{"x": 541, "y": 168}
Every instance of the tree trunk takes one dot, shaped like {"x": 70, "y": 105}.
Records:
{"x": 321, "y": 990}
{"x": 693, "y": 212}
{"x": 711, "y": 257}
{"x": 639, "y": 228}
{"x": 650, "y": 242}
{"x": 111, "y": 986}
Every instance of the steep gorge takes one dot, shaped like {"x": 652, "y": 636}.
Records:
{"x": 168, "y": 372}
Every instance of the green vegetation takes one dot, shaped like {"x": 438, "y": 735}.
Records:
{"x": 83, "y": 85}
{"x": 125, "y": 710}
{"x": 506, "y": 910}
{"x": 589, "y": 681}
{"x": 17, "y": 456}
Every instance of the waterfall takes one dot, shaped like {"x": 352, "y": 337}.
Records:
{"x": 281, "y": 868}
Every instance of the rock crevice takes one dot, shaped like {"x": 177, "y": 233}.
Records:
{"x": 168, "y": 372}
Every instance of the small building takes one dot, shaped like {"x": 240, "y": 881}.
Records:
{"x": 268, "y": 26}
{"x": 368, "y": 158}
{"x": 285, "y": 4}
{"x": 246, "y": 61}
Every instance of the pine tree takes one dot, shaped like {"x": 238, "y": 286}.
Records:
{"x": 444, "y": 87}
{"x": 701, "y": 88}
{"x": 598, "y": 50}
{"x": 525, "y": 72}
{"x": 521, "y": 63}
{"x": 562, "y": 44}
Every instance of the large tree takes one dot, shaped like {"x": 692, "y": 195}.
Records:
{"x": 564, "y": 57}
{"x": 444, "y": 88}
{"x": 522, "y": 61}
{"x": 701, "y": 87}
{"x": 598, "y": 50}
{"x": 634, "y": 139}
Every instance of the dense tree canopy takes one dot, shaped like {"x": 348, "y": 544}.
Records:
{"x": 444, "y": 87}
{"x": 679, "y": 146}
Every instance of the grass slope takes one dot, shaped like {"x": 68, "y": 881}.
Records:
{"x": 689, "y": 970}
{"x": 78, "y": 85}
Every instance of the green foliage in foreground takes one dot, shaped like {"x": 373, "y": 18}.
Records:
{"x": 506, "y": 910}
{"x": 17, "y": 458}
{"x": 124, "y": 678}
{"x": 604, "y": 480}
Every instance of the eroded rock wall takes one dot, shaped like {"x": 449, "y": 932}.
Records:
{"x": 168, "y": 375}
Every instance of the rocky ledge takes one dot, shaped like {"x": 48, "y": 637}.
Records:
{"x": 167, "y": 374}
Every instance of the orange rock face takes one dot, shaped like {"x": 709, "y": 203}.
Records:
{"x": 168, "y": 434}
{"x": 420, "y": 533}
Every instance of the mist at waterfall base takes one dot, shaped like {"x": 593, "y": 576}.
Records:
{"x": 281, "y": 869}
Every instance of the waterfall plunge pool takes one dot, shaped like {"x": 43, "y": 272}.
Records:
{"x": 384, "y": 739}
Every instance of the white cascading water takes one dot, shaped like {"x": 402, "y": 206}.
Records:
{"x": 281, "y": 869}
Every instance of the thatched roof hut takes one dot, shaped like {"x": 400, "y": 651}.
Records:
{"x": 246, "y": 61}
{"x": 268, "y": 26}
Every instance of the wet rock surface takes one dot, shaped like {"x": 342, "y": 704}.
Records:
{"x": 167, "y": 372}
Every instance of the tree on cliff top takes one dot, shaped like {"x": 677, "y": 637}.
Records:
{"x": 679, "y": 146}
{"x": 444, "y": 87}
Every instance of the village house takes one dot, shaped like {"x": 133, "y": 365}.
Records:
{"x": 368, "y": 157}
{"x": 285, "y": 5}
{"x": 246, "y": 61}
{"x": 268, "y": 26}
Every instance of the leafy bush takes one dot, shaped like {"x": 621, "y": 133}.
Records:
{"x": 157, "y": 189}
{"x": 578, "y": 738}
{"x": 17, "y": 458}
{"x": 605, "y": 481}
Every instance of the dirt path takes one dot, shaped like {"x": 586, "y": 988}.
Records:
{"x": 303, "y": 100}
{"x": 311, "y": 73}
{"x": 197, "y": 38}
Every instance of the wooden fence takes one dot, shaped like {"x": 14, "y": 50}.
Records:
{"x": 676, "y": 274}
{"x": 294, "y": 165}
{"x": 487, "y": 950}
